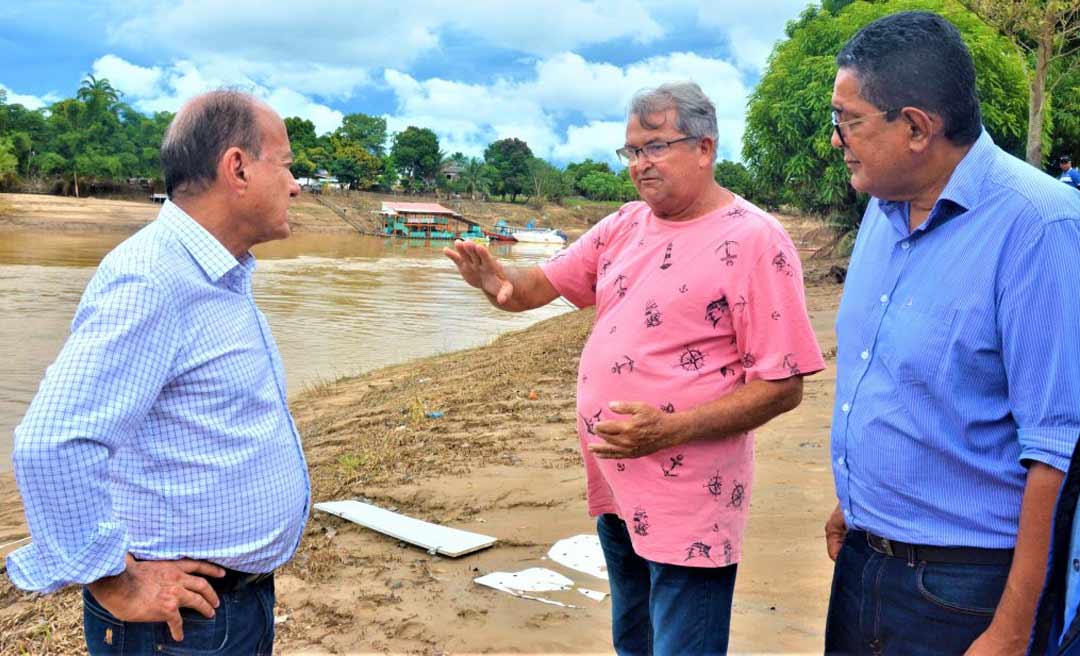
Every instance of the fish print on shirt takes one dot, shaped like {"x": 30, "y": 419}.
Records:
{"x": 698, "y": 550}
{"x": 717, "y": 310}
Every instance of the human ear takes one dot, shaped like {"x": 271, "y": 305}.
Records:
{"x": 232, "y": 169}
{"x": 920, "y": 127}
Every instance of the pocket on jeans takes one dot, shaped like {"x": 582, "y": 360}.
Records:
{"x": 104, "y": 633}
{"x": 969, "y": 589}
{"x": 202, "y": 635}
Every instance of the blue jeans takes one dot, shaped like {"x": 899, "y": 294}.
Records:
{"x": 663, "y": 609}
{"x": 243, "y": 624}
{"x": 886, "y": 605}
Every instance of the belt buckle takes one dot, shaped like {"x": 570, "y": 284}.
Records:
{"x": 883, "y": 545}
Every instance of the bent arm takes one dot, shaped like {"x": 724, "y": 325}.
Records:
{"x": 92, "y": 399}
{"x": 531, "y": 289}
{"x": 745, "y": 409}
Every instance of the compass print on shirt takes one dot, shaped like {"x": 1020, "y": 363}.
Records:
{"x": 715, "y": 485}
{"x": 692, "y": 359}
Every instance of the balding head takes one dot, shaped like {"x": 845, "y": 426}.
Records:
{"x": 200, "y": 133}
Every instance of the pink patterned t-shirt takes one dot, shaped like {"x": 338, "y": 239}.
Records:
{"x": 686, "y": 312}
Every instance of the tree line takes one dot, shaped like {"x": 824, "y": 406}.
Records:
{"x": 1026, "y": 52}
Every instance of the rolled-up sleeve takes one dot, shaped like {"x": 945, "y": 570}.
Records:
{"x": 1039, "y": 316}
{"x": 573, "y": 271}
{"x": 105, "y": 380}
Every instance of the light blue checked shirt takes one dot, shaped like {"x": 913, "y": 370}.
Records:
{"x": 162, "y": 429}
{"x": 958, "y": 355}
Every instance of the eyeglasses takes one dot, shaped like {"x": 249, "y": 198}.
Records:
{"x": 889, "y": 115}
{"x": 655, "y": 151}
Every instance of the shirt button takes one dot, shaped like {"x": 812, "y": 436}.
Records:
{"x": 905, "y": 245}
{"x": 840, "y": 461}
{"x": 884, "y": 298}
{"x": 865, "y": 355}
{"x": 1076, "y": 564}
{"x": 845, "y": 407}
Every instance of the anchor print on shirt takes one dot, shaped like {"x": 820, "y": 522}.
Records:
{"x": 604, "y": 266}
{"x": 790, "y": 364}
{"x": 590, "y": 423}
{"x": 620, "y": 285}
{"x": 652, "y": 315}
{"x": 626, "y": 363}
{"x": 675, "y": 463}
{"x": 736, "y": 211}
{"x": 729, "y": 256}
{"x": 698, "y": 550}
{"x": 667, "y": 257}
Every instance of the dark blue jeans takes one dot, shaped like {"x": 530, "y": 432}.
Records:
{"x": 663, "y": 609}
{"x": 243, "y": 624}
{"x": 886, "y": 605}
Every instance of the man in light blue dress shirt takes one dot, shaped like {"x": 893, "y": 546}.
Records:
{"x": 958, "y": 360}
{"x": 159, "y": 465}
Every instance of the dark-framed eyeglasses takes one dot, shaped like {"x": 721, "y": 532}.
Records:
{"x": 654, "y": 151}
{"x": 889, "y": 114}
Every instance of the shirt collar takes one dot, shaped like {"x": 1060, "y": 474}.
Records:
{"x": 210, "y": 254}
{"x": 961, "y": 192}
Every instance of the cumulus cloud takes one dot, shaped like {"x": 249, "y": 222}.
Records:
{"x": 29, "y": 101}
{"x": 563, "y": 87}
{"x": 751, "y": 27}
{"x": 129, "y": 78}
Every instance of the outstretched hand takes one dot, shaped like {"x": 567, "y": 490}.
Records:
{"x": 479, "y": 269}
{"x": 646, "y": 430}
{"x": 155, "y": 591}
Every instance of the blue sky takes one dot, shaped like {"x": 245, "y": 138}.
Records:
{"x": 556, "y": 73}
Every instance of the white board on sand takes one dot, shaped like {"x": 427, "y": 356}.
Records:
{"x": 436, "y": 539}
{"x": 582, "y": 553}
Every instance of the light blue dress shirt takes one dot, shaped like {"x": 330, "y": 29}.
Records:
{"x": 958, "y": 355}
{"x": 162, "y": 429}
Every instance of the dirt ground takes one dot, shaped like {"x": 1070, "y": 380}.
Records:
{"x": 500, "y": 463}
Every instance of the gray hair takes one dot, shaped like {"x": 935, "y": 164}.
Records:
{"x": 201, "y": 132}
{"x": 695, "y": 115}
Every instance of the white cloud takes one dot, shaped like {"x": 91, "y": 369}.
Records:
{"x": 469, "y": 116}
{"x": 751, "y": 27}
{"x": 29, "y": 101}
{"x": 138, "y": 81}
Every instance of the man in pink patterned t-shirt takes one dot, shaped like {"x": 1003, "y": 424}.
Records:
{"x": 701, "y": 335}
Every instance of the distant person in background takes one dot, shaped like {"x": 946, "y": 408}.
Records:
{"x": 958, "y": 358}
{"x": 1069, "y": 175}
{"x": 701, "y": 335}
{"x": 158, "y": 463}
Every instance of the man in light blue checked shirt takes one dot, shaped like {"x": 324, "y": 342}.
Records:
{"x": 158, "y": 463}
{"x": 958, "y": 358}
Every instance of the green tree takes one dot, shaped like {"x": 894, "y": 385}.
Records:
{"x": 547, "y": 182}
{"x": 368, "y": 131}
{"x": 301, "y": 133}
{"x": 475, "y": 177}
{"x": 416, "y": 154}
{"x": 509, "y": 158}
{"x": 582, "y": 169}
{"x": 787, "y": 140}
{"x": 735, "y": 178}
{"x": 354, "y": 165}
{"x": 608, "y": 186}
{"x": 9, "y": 163}
{"x": 1047, "y": 35}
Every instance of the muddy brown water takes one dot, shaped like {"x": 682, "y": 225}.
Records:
{"x": 338, "y": 305}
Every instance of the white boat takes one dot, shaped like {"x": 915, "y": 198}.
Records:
{"x": 549, "y": 236}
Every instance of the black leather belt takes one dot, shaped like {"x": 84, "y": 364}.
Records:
{"x": 235, "y": 580}
{"x": 960, "y": 555}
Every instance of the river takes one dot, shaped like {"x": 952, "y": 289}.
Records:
{"x": 338, "y": 304}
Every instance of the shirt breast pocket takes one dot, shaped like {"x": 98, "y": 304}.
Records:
{"x": 914, "y": 342}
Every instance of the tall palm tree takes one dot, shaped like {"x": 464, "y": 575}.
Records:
{"x": 474, "y": 177}
{"x": 99, "y": 95}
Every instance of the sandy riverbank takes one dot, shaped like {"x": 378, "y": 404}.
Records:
{"x": 500, "y": 464}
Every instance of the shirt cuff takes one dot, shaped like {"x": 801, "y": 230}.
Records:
{"x": 1051, "y": 446}
{"x": 36, "y": 569}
